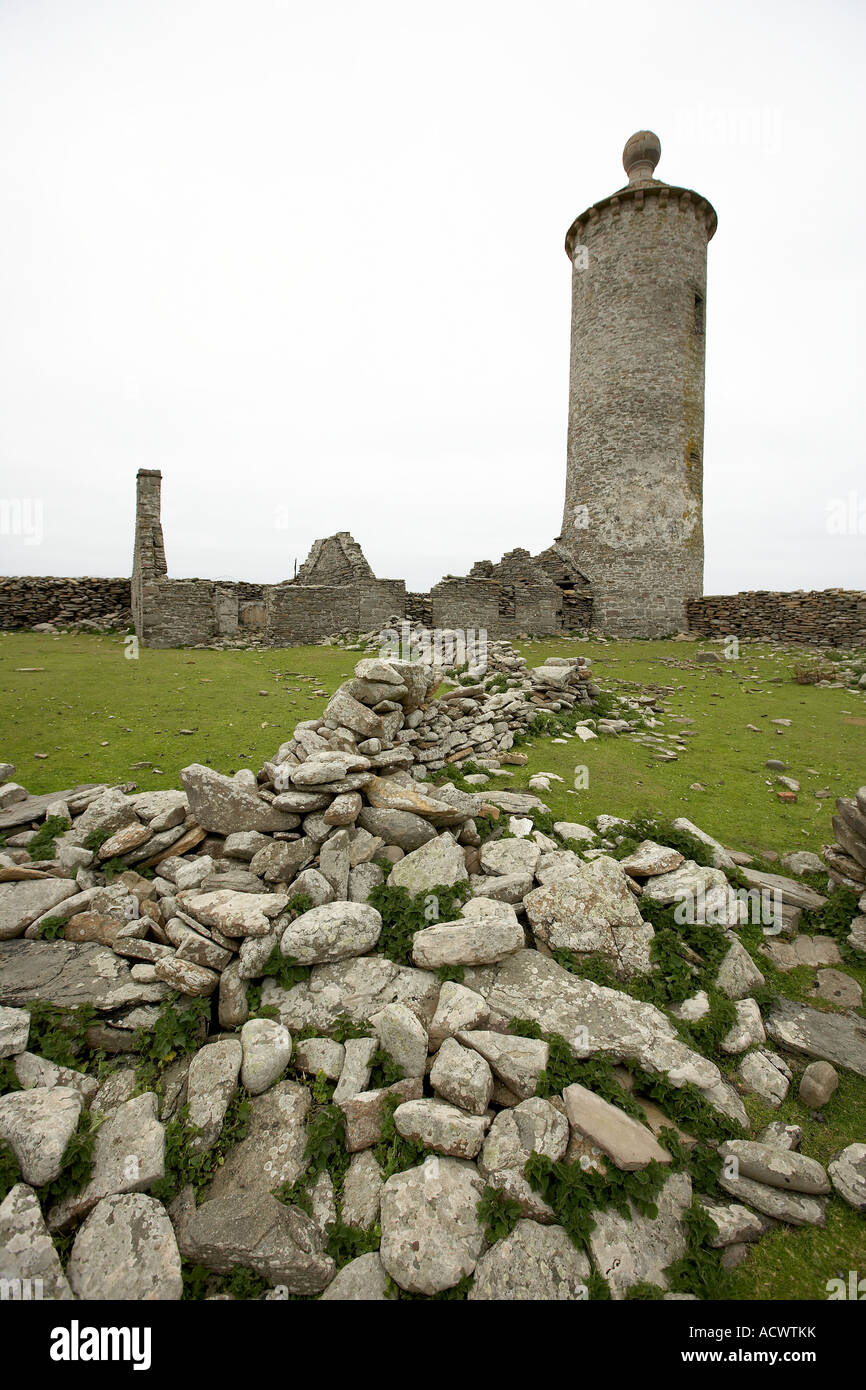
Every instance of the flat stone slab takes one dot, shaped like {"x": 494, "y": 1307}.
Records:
{"x": 364, "y": 1280}
{"x": 837, "y": 1038}
{"x": 537, "y": 1263}
{"x": 638, "y": 1251}
{"x": 126, "y": 1249}
{"x": 738, "y": 974}
{"x": 387, "y": 794}
{"x": 234, "y": 914}
{"x": 273, "y": 1151}
{"x": 23, "y": 903}
{"x": 365, "y": 1112}
{"x": 14, "y": 1031}
{"x": 280, "y": 1243}
{"x": 26, "y": 1249}
{"x": 431, "y": 1233}
{"x": 627, "y": 1143}
{"x": 68, "y": 974}
{"x": 762, "y": 1074}
{"x": 803, "y": 950}
{"x": 462, "y": 1076}
{"x": 37, "y": 1125}
{"x": 439, "y": 862}
{"x": 794, "y": 1207}
{"x": 516, "y": 803}
{"x": 595, "y": 1019}
{"x": 533, "y": 1126}
{"x": 359, "y": 987}
{"x": 457, "y": 1008}
{"x": 212, "y": 1081}
{"x": 402, "y": 828}
{"x": 38, "y": 1071}
{"x": 793, "y": 894}
{"x": 592, "y": 910}
{"x": 777, "y": 1167}
{"x": 128, "y": 1156}
{"x": 403, "y": 1037}
{"x": 736, "y": 1224}
{"x": 332, "y": 932}
{"x": 705, "y": 894}
{"x": 438, "y": 1125}
{"x": 721, "y": 857}
{"x": 650, "y": 859}
{"x": 510, "y": 857}
{"x": 35, "y": 807}
{"x": 221, "y": 806}
{"x": 848, "y": 1174}
{"x": 839, "y": 988}
{"x": 478, "y": 940}
{"x": 516, "y": 1061}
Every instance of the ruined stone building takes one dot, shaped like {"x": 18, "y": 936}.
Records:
{"x": 335, "y": 590}
{"x": 630, "y": 555}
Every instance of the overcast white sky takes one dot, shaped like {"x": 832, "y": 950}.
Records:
{"x": 307, "y": 259}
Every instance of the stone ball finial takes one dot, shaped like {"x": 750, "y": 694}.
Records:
{"x": 641, "y": 155}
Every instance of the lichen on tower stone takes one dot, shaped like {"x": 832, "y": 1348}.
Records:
{"x": 634, "y": 488}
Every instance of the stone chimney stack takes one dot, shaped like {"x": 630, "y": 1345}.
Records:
{"x": 634, "y": 489}
{"x": 148, "y": 560}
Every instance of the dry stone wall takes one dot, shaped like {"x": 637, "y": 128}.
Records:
{"x": 825, "y": 617}
{"x": 26, "y": 600}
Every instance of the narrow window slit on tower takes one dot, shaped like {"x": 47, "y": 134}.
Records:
{"x": 699, "y": 313}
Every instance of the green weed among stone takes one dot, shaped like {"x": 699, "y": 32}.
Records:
{"x": 404, "y": 913}
{"x": 299, "y": 904}
{"x": 10, "y": 1173}
{"x": 50, "y": 928}
{"x": 498, "y": 1214}
{"x": 185, "y": 1165}
{"x": 326, "y": 1145}
{"x": 77, "y": 1163}
{"x": 95, "y": 839}
{"x": 284, "y": 969}
{"x": 393, "y": 1153}
{"x": 344, "y": 1028}
{"x": 577, "y": 1193}
{"x": 255, "y": 1007}
{"x": 240, "y": 1283}
{"x": 345, "y": 1243}
{"x": 60, "y": 1034}
{"x": 384, "y": 1071}
{"x": 42, "y": 845}
{"x": 176, "y": 1032}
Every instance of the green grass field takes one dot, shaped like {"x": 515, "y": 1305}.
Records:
{"x": 825, "y": 747}
{"x": 96, "y": 715}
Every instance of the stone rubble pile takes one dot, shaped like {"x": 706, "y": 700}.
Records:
{"x": 116, "y": 621}
{"x": 251, "y": 873}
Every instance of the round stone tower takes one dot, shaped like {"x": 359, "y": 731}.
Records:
{"x": 634, "y": 488}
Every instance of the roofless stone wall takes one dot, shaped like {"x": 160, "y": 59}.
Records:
{"x": 824, "y": 617}
{"x": 181, "y": 612}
